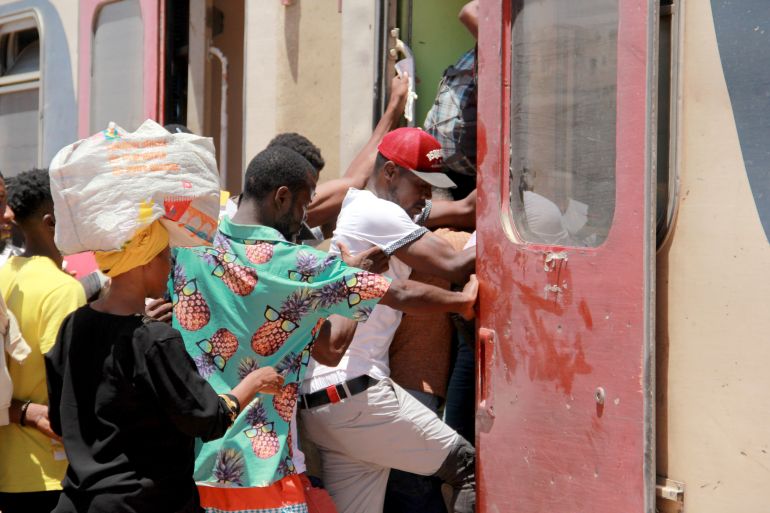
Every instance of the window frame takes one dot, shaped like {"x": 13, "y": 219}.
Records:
{"x": 676, "y": 88}
{"x": 17, "y": 21}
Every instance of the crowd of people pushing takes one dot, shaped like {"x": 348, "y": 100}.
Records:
{"x": 178, "y": 383}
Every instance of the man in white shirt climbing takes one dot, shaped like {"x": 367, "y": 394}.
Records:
{"x": 362, "y": 422}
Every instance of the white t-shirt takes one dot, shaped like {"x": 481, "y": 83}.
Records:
{"x": 366, "y": 221}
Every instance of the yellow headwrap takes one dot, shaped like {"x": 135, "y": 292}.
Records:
{"x": 143, "y": 247}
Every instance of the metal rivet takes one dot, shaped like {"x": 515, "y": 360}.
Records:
{"x": 599, "y": 395}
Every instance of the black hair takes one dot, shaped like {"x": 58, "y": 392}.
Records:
{"x": 301, "y": 145}
{"x": 29, "y": 192}
{"x": 274, "y": 167}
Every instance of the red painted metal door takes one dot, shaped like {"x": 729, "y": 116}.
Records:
{"x": 564, "y": 414}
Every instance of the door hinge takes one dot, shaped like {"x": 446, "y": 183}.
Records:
{"x": 670, "y": 495}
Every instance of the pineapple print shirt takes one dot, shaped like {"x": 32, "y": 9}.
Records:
{"x": 253, "y": 300}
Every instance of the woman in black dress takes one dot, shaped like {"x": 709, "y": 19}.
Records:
{"x": 127, "y": 399}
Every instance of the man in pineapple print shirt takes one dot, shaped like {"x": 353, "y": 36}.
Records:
{"x": 255, "y": 299}
{"x": 361, "y": 438}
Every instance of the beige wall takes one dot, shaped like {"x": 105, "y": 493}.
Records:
{"x": 308, "y": 96}
{"x": 357, "y": 78}
{"x": 300, "y": 78}
{"x": 713, "y": 298}
{"x": 231, "y": 43}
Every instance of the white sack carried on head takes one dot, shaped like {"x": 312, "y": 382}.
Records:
{"x": 114, "y": 183}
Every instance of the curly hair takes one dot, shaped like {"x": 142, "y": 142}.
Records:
{"x": 301, "y": 145}
{"x": 274, "y": 167}
{"x": 28, "y": 192}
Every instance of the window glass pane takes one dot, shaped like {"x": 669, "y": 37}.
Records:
{"x": 563, "y": 102}
{"x": 117, "y": 77}
{"x": 27, "y": 61}
{"x": 21, "y": 52}
{"x": 18, "y": 131}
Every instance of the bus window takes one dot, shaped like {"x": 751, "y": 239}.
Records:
{"x": 19, "y": 95}
{"x": 563, "y": 109}
{"x": 117, "y": 66}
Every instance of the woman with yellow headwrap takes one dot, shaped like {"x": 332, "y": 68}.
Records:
{"x": 126, "y": 397}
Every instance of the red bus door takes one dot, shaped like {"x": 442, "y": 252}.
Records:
{"x": 566, "y": 252}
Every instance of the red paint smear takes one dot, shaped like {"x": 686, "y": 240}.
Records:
{"x": 546, "y": 357}
{"x": 585, "y": 313}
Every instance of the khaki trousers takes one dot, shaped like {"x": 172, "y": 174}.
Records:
{"x": 362, "y": 437}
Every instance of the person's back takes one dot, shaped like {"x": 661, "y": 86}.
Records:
{"x": 127, "y": 452}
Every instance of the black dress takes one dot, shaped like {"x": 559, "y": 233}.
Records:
{"x": 129, "y": 402}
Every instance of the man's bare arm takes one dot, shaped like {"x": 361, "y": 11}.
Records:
{"x": 415, "y": 297}
{"x": 433, "y": 255}
{"x": 327, "y": 202}
{"x": 333, "y": 340}
{"x": 453, "y": 214}
{"x": 409, "y": 296}
{"x": 469, "y": 16}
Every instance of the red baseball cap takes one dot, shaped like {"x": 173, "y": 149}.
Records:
{"x": 417, "y": 151}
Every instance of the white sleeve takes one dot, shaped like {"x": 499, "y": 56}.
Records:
{"x": 16, "y": 346}
{"x": 379, "y": 223}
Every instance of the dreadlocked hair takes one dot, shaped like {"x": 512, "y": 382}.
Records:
{"x": 28, "y": 192}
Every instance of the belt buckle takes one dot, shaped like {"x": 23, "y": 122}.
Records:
{"x": 333, "y": 394}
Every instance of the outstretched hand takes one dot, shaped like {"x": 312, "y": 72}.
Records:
{"x": 373, "y": 259}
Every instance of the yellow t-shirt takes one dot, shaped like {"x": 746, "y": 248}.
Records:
{"x": 40, "y": 295}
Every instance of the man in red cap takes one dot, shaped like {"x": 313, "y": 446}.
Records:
{"x": 362, "y": 422}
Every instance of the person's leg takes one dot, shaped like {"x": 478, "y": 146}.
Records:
{"x": 457, "y": 468}
{"x": 355, "y": 485}
{"x": 413, "y": 493}
{"x": 389, "y": 428}
{"x": 459, "y": 412}
{"x": 459, "y": 472}
{"x": 43, "y": 502}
